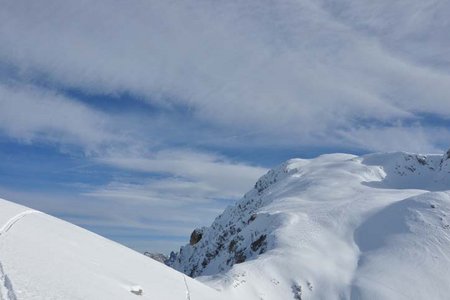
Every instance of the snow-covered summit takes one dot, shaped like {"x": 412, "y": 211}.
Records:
{"x": 335, "y": 227}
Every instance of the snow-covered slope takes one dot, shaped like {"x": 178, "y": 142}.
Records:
{"x": 335, "y": 227}
{"x": 42, "y": 257}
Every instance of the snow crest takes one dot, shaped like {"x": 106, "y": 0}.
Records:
{"x": 326, "y": 228}
{"x": 47, "y": 258}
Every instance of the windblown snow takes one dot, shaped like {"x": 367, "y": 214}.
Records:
{"x": 335, "y": 227}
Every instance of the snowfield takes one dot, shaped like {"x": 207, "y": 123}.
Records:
{"x": 335, "y": 227}
{"x": 42, "y": 257}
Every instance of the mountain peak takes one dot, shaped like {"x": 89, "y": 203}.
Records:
{"x": 308, "y": 224}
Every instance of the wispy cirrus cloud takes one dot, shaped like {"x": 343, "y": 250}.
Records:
{"x": 399, "y": 138}
{"x": 173, "y": 192}
{"x": 29, "y": 114}
{"x": 215, "y": 78}
{"x": 277, "y": 68}
{"x": 215, "y": 174}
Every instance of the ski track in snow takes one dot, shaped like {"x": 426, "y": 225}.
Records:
{"x": 6, "y": 288}
{"x": 11, "y": 222}
{"x": 188, "y": 293}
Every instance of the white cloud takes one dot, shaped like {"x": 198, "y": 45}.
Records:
{"x": 214, "y": 174}
{"x": 113, "y": 211}
{"x": 278, "y": 68}
{"x": 413, "y": 28}
{"x": 176, "y": 191}
{"x": 245, "y": 74}
{"x": 414, "y": 139}
{"x": 179, "y": 187}
{"x": 170, "y": 210}
{"x": 33, "y": 114}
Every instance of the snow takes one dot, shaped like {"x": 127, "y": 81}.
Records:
{"x": 335, "y": 227}
{"x": 42, "y": 257}
{"x": 408, "y": 242}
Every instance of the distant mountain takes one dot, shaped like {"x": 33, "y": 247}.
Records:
{"x": 156, "y": 256}
{"x": 335, "y": 227}
{"x": 42, "y": 257}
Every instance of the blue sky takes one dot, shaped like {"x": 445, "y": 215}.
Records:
{"x": 141, "y": 120}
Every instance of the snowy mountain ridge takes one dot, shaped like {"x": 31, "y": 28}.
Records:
{"x": 313, "y": 229}
{"x": 338, "y": 226}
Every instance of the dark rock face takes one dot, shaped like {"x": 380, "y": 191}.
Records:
{"x": 196, "y": 236}
{"x": 239, "y": 234}
{"x": 232, "y": 246}
{"x": 252, "y": 218}
{"x": 240, "y": 257}
{"x": 259, "y": 244}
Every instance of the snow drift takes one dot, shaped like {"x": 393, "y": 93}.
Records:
{"x": 42, "y": 257}
{"x": 334, "y": 227}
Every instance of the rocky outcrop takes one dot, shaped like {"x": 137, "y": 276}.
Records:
{"x": 447, "y": 155}
{"x": 196, "y": 236}
{"x": 239, "y": 234}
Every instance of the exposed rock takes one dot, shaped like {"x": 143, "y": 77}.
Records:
{"x": 252, "y": 218}
{"x": 232, "y": 246}
{"x": 258, "y": 243}
{"x": 196, "y": 236}
{"x": 240, "y": 257}
{"x": 137, "y": 290}
{"x": 422, "y": 159}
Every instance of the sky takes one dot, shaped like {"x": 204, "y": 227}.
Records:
{"x": 142, "y": 120}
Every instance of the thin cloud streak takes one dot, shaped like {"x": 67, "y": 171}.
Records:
{"x": 221, "y": 176}
{"x": 29, "y": 114}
